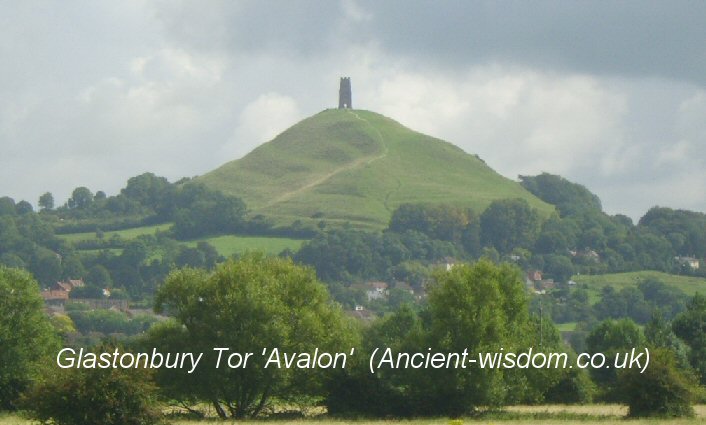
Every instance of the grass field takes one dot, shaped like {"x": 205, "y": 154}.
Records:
{"x": 689, "y": 285}
{"x": 519, "y": 415}
{"x": 566, "y": 327}
{"x": 124, "y": 234}
{"x": 231, "y": 244}
{"x": 358, "y": 166}
{"x": 226, "y": 245}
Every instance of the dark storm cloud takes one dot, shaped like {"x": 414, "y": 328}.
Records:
{"x": 632, "y": 38}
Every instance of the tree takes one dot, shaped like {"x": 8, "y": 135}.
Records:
{"x": 7, "y": 206}
{"x": 479, "y": 308}
{"x": 99, "y": 276}
{"x": 46, "y": 266}
{"x": 690, "y": 326}
{"x": 609, "y": 338}
{"x": 27, "y": 339}
{"x": 113, "y": 396}
{"x": 247, "y": 305}
{"x": 81, "y": 198}
{"x": 663, "y": 390}
{"x": 570, "y": 198}
{"x": 24, "y": 207}
{"x": 46, "y": 201}
{"x": 508, "y": 224}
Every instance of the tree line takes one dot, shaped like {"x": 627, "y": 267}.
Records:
{"x": 260, "y": 301}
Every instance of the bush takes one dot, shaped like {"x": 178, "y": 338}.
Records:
{"x": 94, "y": 397}
{"x": 661, "y": 391}
{"x": 27, "y": 339}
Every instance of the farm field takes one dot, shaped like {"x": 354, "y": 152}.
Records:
{"x": 687, "y": 284}
{"x": 231, "y": 244}
{"x": 226, "y": 245}
{"x": 514, "y": 415}
{"x": 131, "y": 233}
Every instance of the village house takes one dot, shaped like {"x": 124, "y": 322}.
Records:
{"x": 376, "y": 290}
{"x": 691, "y": 262}
{"x": 59, "y": 292}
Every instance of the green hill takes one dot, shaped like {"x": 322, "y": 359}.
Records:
{"x": 357, "y": 166}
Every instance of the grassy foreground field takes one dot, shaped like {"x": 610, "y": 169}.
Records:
{"x": 519, "y": 415}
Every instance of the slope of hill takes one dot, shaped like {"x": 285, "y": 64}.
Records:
{"x": 357, "y": 166}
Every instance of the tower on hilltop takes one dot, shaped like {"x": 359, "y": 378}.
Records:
{"x": 344, "y": 94}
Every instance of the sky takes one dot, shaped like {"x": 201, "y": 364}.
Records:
{"x": 611, "y": 95}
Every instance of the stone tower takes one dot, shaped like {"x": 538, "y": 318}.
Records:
{"x": 345, "y": 99}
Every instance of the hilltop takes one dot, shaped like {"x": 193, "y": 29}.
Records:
{"x": 357, "y": 166}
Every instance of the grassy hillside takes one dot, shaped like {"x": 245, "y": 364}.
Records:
{"x": 689, "y": 285}
{"x": 358, "y": 166}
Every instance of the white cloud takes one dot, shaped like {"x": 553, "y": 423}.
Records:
{"x": 520, "y": 121}
{"x": 260, "y": 121}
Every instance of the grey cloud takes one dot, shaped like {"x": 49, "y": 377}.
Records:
{"x": 633, "y": 38}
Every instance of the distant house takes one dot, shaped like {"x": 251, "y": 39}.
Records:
{"x": 52, "y": 296}
{"x": 534, "y": 276}
{"x": 376, "y": 290}
{"x": 587, "y": 253}
{"x": 59, "y": 292}
{"x": 533, "y": 279}
{"x": 449, "y": 263}
{"x": 691, "y": 262}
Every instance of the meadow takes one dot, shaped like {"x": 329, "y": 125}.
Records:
{"x": 226, "y": 245}
{"x": 690, "y": 285}
{"x": 514, "y": 415}
{"x": 126, "y": 234}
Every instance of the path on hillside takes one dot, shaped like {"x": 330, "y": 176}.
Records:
{"x": 399, "y": 182}
{"x": 358, "y": 162}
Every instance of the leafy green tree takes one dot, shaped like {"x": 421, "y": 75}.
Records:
{"x": 659, "y": 334}
{"x": 99, "y": 276}
{"x": 559, "y": 267}
{"x": 481, "y": 308}
{"x": 508, "y": 224}
{"x": 247, "y": 305}
{"x": 27, "y": 339}
{"x": 46, "y": 266}
{"x": 569, "y": 197}
{"x": 81, "y": 198}
{"x": 94, "y": 397}
{"x": 662, "y": 391}
{"x": 72, "y": 268}
{"x": 611, "y": 337}
{"x": 24, "y": 207}
{"x": 46, "y": 201}
{"x": 7, "y": 206}
{"x": 690, "y": 326}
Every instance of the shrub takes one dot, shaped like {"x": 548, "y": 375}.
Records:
{"x": 93, "y": 397}
{"x": 662, "y": 390}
